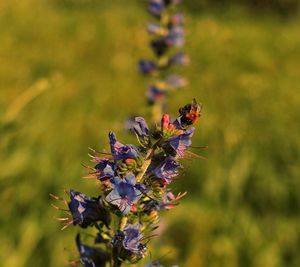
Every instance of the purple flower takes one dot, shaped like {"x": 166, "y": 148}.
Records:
{"x": 141, "y": 130}
{"x": 176, "y": 81}
{"x": 87, "y": 210}
{"x": 155, "y": 94}
{"x": 124, "y": 193}
{"x": 128, "y": 123}
{"x": 175, "y": 37}
{"x": 91, "y": 256}
{"x": 176, "y": 19}
{"x": 155, "y": 28}
{"x": 121, "y": 151}
{"x": 104, "y": 169}
{"x": 153, "y": 264}
{"x": 141, "y": 127}
{"x": 132, "y": 239}
{"x": 179, "y": 143}
{"x": 168, "y": 201}
{"x": 147, "y": 66}
{"x": 156, "y": 7}
{"x": 180, "y": 59}
{"x": 167, "y": 169}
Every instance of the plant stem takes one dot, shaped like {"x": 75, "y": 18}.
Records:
{"x": 122, "y": 223}
{"x": 146, "y": 163}
{"x": 117, "y": 263}
{"x": 157, "y": 111}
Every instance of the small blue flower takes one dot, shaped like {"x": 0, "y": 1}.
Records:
{"x": 176, "y": 19}
{"x": 155, "y": 94}
{"x": 141, "y": 130}
{"x": 132, "y": 239}
{"x": 156, "y": 7}
{"x": 176, "y": 81}
{"x": 168, "y": 201}
{"x": 153, "y": 264}
{"x": 179, "y": 143}
{"x": 121, "y": 151}
{"x": 141, "y": 127}
{"x": 104, "y": 169}
{"x": 175, "y": 37}
{"x": 124, "y": 194}
{"x": 167, "y": 170}
{"x": 91, "y": 256}
{"x": 128, "y": 123}
{"x": 180, "y": 59}
{"x": 147, "y": 66}
{"x": 155, "y": 28}
{"x": 87, "y": 210}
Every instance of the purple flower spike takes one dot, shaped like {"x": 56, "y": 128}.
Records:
{"x": 180, "y": 142}
{"x": 121, "y": 151}
{"x": 167, "y": 170}
{"x": 124, "y": 193}
{"x": 132, "y": 239}
{"x": 147, "y": 66}
{"x": 87, "y": 210}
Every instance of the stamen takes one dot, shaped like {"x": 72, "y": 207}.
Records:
{"x": 62, "y": 219}
{"x": 66, "y": 225}
{"x": 59, "y": 198}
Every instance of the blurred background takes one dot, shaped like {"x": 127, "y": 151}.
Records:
{"x": 68, "y": 75}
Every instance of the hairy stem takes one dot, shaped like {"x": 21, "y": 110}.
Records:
{"x": 122, "y": 223}
{"x": 146, "y": 164}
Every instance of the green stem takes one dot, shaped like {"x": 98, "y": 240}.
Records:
{"x": 146, "y": 164}
{"x": 157, "y": 111}
{"x": 122, "y": 223}
{"x": 147, "y": 161}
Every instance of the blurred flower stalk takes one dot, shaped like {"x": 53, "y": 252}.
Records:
{"x": 167, "y": 36}
{"x": 135, "y": 186}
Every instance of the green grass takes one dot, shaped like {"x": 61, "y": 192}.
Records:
{"x": 243, "y": 203}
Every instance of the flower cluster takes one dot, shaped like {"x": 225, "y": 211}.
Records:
{"x": 135, "y": 186}
{"x": 166, "y": 32}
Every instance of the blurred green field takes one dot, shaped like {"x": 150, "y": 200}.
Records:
{"x": 68, "y": 75}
